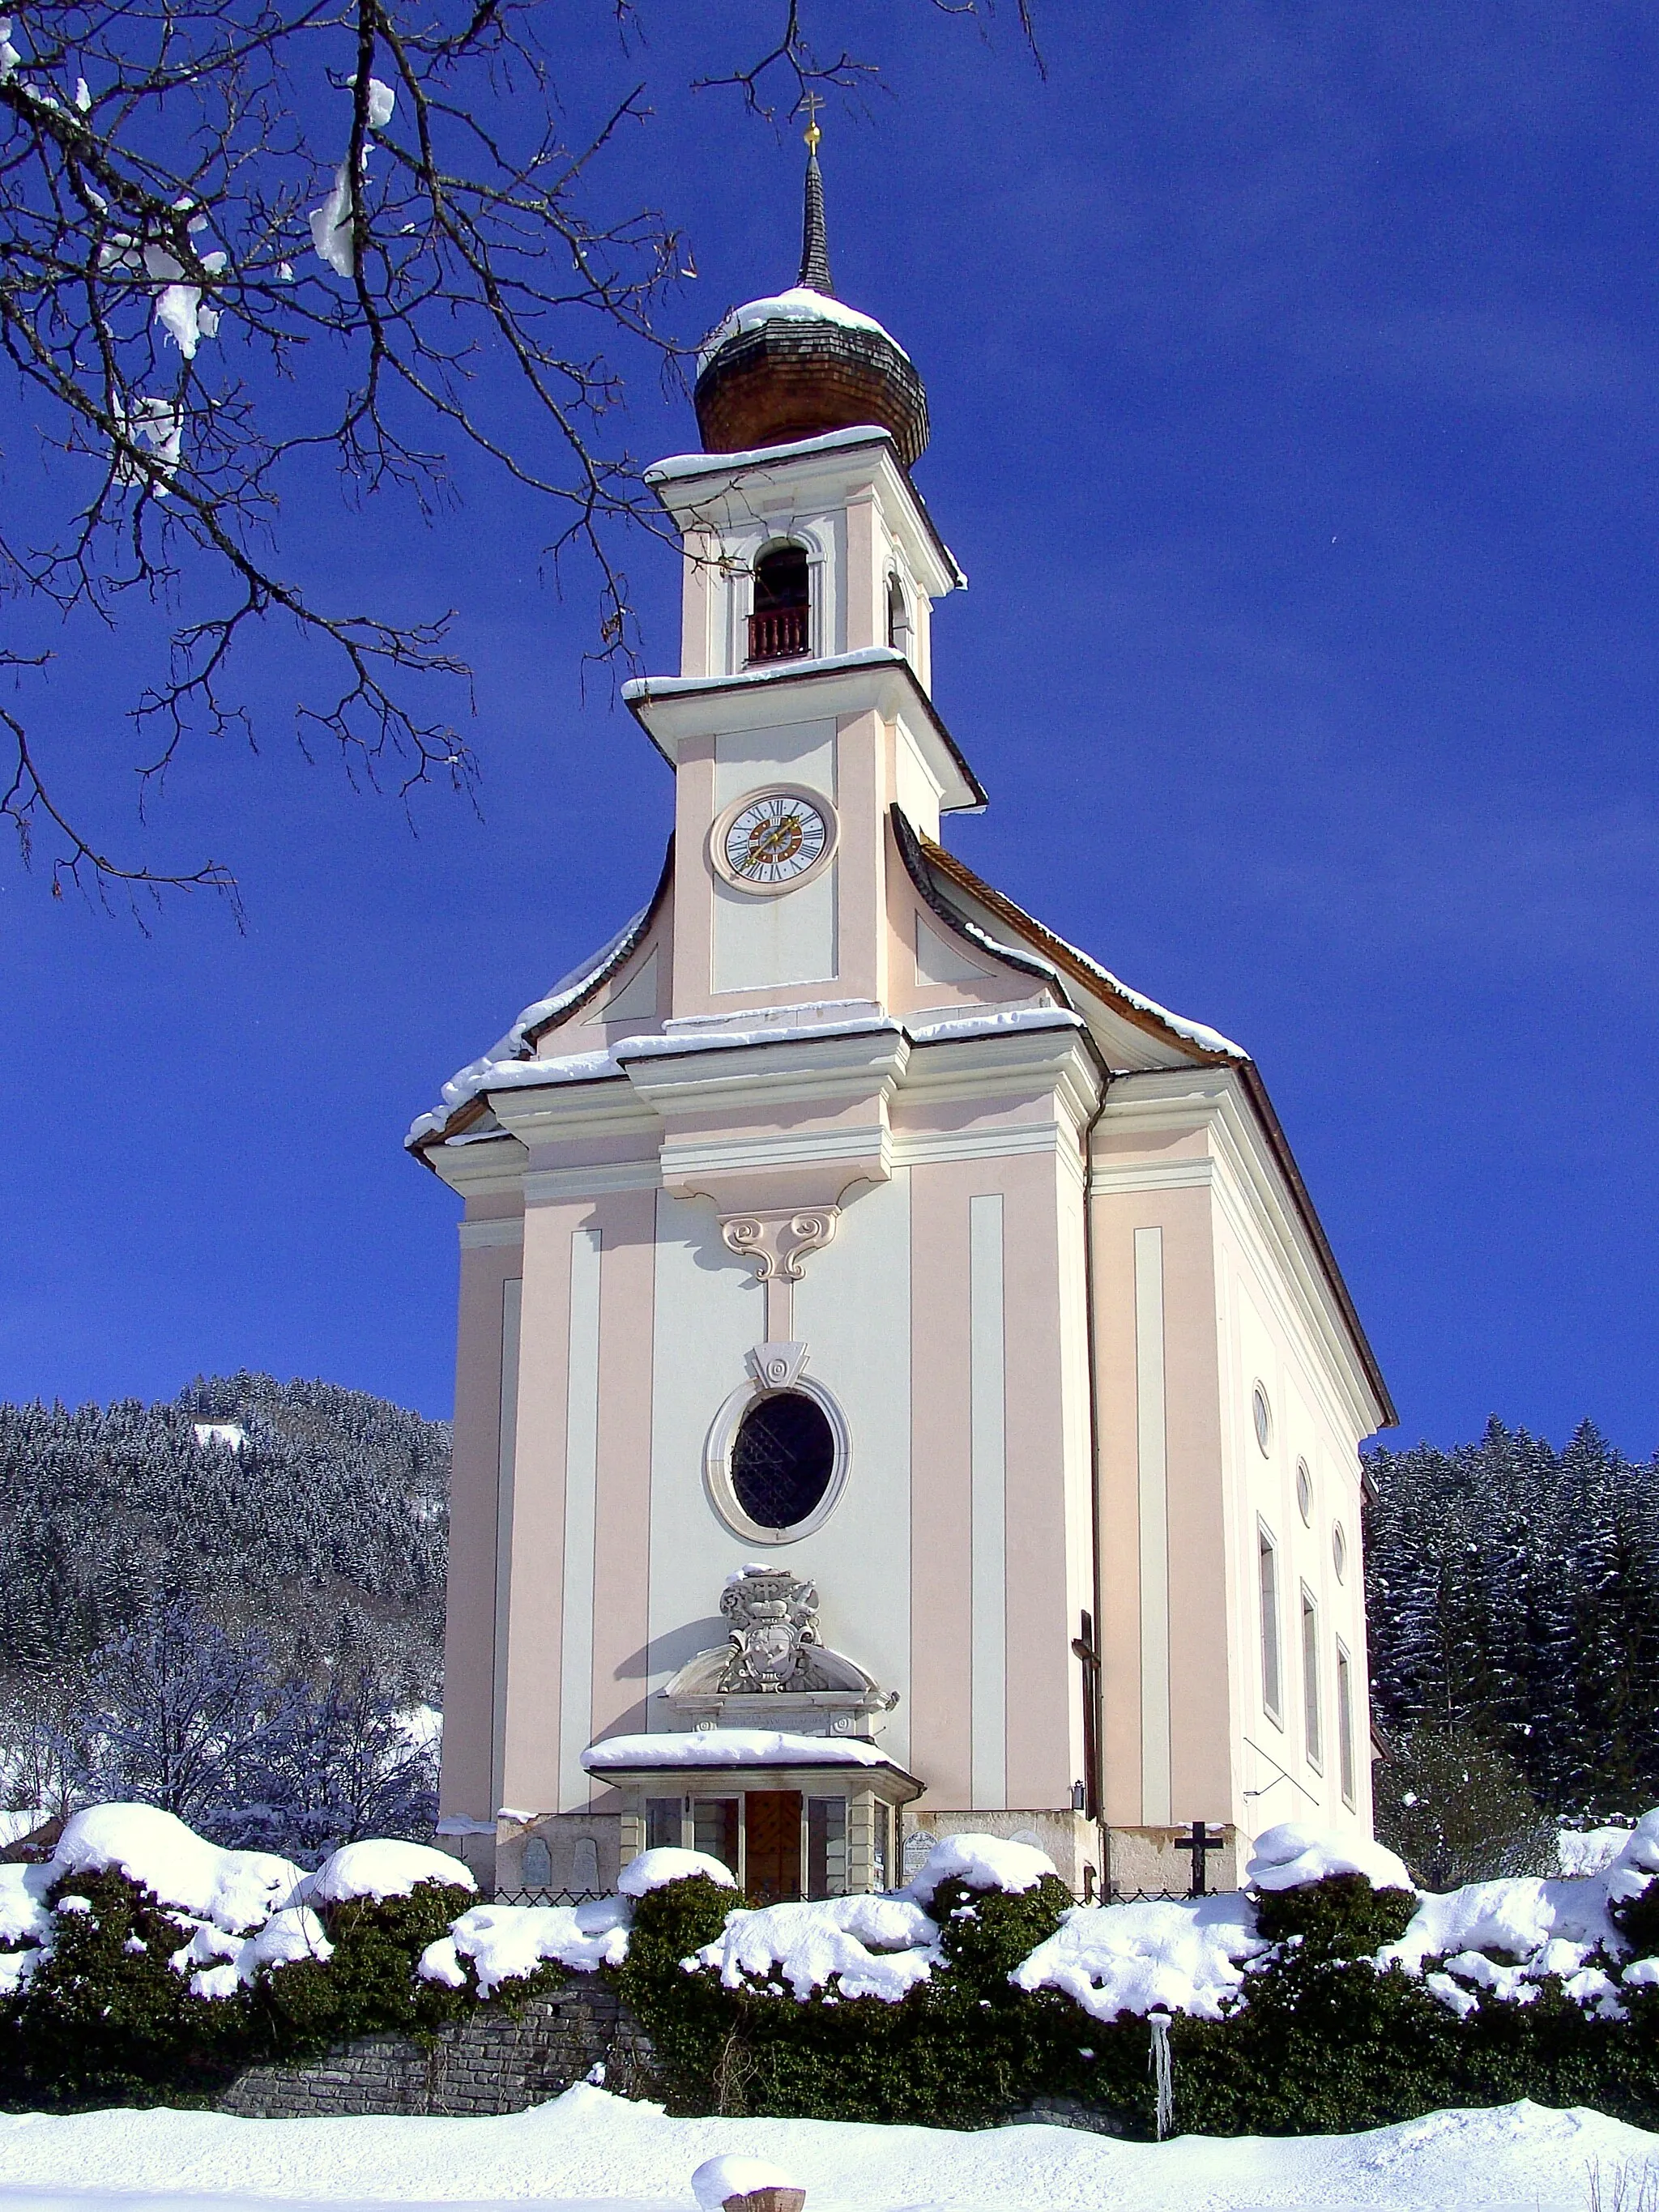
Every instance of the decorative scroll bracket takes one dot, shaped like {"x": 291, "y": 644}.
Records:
{"x": 776, "y": 1243}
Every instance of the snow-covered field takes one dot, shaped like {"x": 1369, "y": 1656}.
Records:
{"x": 587, "y": 2149}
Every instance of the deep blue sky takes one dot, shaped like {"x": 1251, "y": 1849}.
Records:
{"x": 1292, "y": 373}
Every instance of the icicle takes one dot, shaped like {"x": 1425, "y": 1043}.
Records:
{"x": 1161, "y": 2068}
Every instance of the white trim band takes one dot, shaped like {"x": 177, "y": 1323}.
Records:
{"x": 482, "y": 1236}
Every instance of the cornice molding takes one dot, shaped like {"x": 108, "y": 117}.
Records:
{"x": 554, "y": 1186}
{"x": 877, "y": 679}
{"x": 1242, "y": 1173}
{"x": 483, "y": 1236}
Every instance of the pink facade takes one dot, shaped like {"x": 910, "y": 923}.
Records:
{"x": 856, "y": 1199}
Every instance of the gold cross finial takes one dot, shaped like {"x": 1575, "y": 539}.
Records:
{"x": 811, "y": 102}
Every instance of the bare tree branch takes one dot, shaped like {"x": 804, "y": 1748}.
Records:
{"x": 210, "y": 275}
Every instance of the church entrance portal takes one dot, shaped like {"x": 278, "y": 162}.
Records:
{"x": 772, "y": 1825}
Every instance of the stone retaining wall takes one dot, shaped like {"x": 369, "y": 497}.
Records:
{"x": 495, "y": 2062}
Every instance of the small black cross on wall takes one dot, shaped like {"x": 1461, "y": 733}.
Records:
{"x": 1200, "y": 1843}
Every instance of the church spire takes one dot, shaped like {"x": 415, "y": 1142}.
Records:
{"x": 814, "y": 245}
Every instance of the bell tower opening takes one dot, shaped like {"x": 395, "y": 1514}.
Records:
{"x": 898, "y": 617}
{"x": 779, "y": 629}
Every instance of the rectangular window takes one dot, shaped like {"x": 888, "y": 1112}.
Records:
{"x": 714, "y": 1829}
{"x": 662, "y": 1823}
{"x": 883, "y": 1845}
{"x": 1310, "y": 1715}
{"x": 1345, "y": 1721}
{"x": 1267, "y": 1560}
{"x": 826, "y": 1847}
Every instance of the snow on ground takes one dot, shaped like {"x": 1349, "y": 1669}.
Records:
{"x": 588, "y": 2150}
{"x": 1588, "y": 1851}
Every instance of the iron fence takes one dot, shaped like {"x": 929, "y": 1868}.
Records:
{"x": 548, "y": 1896}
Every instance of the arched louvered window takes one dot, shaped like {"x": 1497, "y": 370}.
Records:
{"x": 779, "y": 629}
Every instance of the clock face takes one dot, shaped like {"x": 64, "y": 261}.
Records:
{"x": 774, "y": 839}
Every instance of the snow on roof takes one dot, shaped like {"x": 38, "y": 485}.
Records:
{"x": 383, "y": 1868}
{"x": 800, "y": 304}
{"x": 982, "y": 1861}
{"x": 655, "y": 1869}
{"x": 22, "y": 1821}
{"x": 505, "y": 1942}
{"x": 679, "y": 465}
{"x": 508, "y": 1050}
{"x": 1292, "y": 1854}
{"x": 864, "y": 1946}
{"x": 641, "y": 689}
{"x": 957, "y": 872}
{"x": 234, "y": 1890}
{"x": 1185, "y": 1957}
{"x": 729, "y": 1747}
{"x": 608, "y": 1064}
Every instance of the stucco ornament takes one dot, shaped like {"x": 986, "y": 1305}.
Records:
{"x": 775, "y": 1625}
{"x": 775, "y": 1653}
{"x": 776, "y": 1243}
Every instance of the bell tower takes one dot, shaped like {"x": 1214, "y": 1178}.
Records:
{"x": 902, "y": 1384}
{"x": 802, "y": 711}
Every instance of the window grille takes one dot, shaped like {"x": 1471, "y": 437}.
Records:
{"x": 782, "y": 1459}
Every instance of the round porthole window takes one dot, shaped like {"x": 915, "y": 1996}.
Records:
{"x": 1339, "y": 1550}
{"x": 782, "y": 1458}
{"x": 775, "y": 1462}
{"x": 1262, "y": 1413}
{"x": 1304, "y": 1491}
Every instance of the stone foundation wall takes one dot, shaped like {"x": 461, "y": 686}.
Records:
{"x": 491, "y": 2063}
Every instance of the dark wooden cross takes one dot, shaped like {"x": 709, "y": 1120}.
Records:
{"x": 1200, "y": 1843}
{"x": 1084, "y": 1647}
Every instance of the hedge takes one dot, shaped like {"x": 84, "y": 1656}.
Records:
{"x": 1321, "y": 2041}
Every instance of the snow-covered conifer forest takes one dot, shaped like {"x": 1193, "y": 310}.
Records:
{"x": 229, "y": 1604}
{"x": 1513, "y": 1596}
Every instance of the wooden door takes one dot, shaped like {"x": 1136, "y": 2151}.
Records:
{"x": 772, "y": 1838}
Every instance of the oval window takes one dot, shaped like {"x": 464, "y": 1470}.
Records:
{"x": 1262, "y": 1412}
{"x": 1339, "y": 1551}
{"x": 1304, "y": 1491}
{"x": 782, "y": 1458}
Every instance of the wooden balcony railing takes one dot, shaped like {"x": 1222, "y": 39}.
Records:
{"x": 780, "y": 633}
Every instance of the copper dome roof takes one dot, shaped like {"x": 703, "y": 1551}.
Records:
{"x": 801, "y": 364}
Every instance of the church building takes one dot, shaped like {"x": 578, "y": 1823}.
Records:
{"x": 903, "y": 1383}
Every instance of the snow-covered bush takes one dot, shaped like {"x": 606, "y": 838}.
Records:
{"x": 1345, "y": 1900}
{"x": 142, "y": 1958}
{"x": 1632, "y": 1882}
{"x": 144, "y": 1961}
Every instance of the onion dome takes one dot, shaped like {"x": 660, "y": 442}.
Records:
{"x": 801, "y": 364}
